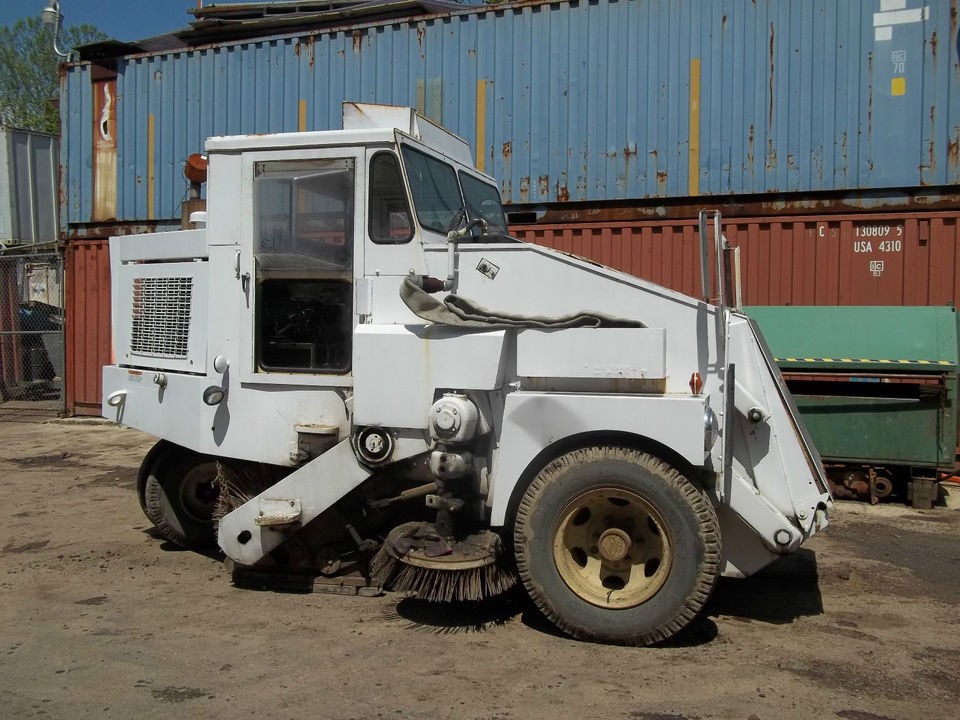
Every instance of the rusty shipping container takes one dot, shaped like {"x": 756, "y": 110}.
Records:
{"x": 792, "y": 116}
{"x": 88, "y": 343}
{"x": 606, "y": 101}
{"x": 855, "y": 259}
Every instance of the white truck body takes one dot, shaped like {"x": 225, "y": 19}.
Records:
{"x": 198, "y": 309}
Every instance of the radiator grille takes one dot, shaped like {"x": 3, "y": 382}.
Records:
{"x": 161, "y": 316}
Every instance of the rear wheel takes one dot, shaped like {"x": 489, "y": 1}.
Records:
{"x": 180, "y": 495}
{"x": 616, "y": 546}
{"x": 148, "y": 468}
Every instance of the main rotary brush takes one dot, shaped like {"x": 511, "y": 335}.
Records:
{"x": 415, "y": 558}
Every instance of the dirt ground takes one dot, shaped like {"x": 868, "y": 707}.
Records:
{"x": 99, "y": 618}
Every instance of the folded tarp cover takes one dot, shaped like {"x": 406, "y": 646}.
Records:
{"x": 461, "y": 312}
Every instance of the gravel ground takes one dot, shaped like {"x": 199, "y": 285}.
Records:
{"x": 100, "y": 618}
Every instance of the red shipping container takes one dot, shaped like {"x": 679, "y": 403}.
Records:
{"x": 875, "y": 259}
{"x": 88, "y": 342}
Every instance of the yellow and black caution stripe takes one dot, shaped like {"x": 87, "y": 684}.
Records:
{"x": 867, "y": 361}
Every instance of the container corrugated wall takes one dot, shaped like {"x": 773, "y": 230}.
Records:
{"x": 88, "y": 341}
{"x": 882, "y": 259}
{"x": 567, "y": 102}
{"x": 29, "y": 173}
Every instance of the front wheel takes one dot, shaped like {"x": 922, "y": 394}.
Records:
{"x": 614, "y": 545}
{"x": 180, "y": 496}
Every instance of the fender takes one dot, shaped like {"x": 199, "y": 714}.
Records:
{"x": 534, "y": 420}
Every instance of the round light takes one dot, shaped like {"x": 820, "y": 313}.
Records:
{"x": 195, "y": 168}
{"x": 711, "y": 426}
{"x": 213, "y": 395}
{"x": 115, "y": 399}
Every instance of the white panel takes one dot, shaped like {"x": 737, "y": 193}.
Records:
{"x": 592, "y": 353}
{"x": 252, "y": 423}
{"x": 176, "y": 245}
{"x": 398, "y": 367}
{"x": 367, "y": 116}
{"x": 881, "y": 34}
{"x": 533, "y": 421}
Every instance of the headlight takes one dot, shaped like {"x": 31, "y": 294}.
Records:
{"x": 711, "y": 428}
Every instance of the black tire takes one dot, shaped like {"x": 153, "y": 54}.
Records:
{"x": 181, "y": 496}
{"x": 614, "y": 545}
{"x": 154, "y": 459}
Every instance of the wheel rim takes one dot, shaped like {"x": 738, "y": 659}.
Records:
{"x": 198, "y": 492}
{"x": 612, "y": 548}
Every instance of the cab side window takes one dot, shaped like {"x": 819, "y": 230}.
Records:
{"x": 389, "y": 221}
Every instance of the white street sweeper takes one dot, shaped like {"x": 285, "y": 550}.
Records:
{"x": 361, "y": 381}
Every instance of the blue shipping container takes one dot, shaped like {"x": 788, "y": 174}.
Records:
{"x": 566, "y": 101}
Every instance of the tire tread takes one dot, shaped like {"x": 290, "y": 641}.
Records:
{"x": 696, "y": 499}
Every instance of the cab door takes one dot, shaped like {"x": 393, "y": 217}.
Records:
{"x": 297, "y": 266}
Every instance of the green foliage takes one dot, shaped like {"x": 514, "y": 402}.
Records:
{"x": 29, "y": 73}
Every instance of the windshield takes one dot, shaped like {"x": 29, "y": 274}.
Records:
{"x": 446, "y": 200}
{"x": 483, "y": 201}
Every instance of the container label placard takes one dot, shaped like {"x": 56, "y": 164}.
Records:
{"x": 878, "y": 238}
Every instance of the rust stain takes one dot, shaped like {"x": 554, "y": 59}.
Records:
{"x": 358, "y": 40}
{"x": 525, "y": 188}
{"x": 931, "y": 144}
{"x": 543, "y": 186}
{"x": 507, "y": 149}
{"x": 628, "y": 152}
{"x": 933, "y": 44}
{"x": 420, "y": 36}
{"x": 870, "y": 96}
{"x": 771, "y": 155}
{"x": 563, "y": 194}
{"x": 661, "y": 181}
{"x": 105, "y": 151}
{"x": 750, "y": 138}
{"x": 843, "y": 149}
{"x": 790, "y": 160}
{"x": 772, "y": 69}
{"x": 305, "y": 46}
{"x": 723, "y": 23}
{"x": 953, "y": 151}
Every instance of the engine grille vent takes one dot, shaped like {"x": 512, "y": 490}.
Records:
{"x": 161, "y": 316}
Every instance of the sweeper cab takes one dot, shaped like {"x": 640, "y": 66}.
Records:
{"x": 361, "y": 381}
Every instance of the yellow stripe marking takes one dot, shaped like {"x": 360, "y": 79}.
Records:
{"x": 482, "y": 125}
{"x": 865, "y": 360}
{"x": 694, "y": 132}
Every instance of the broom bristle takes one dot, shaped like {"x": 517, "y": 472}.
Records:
{"x": 236, "y": 486}
{"x": 441, "y": 584}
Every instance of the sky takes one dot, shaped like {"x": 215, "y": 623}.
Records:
{"x": 119, "y": 19}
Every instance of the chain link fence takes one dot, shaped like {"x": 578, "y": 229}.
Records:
{"x": 31, "y": 331}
